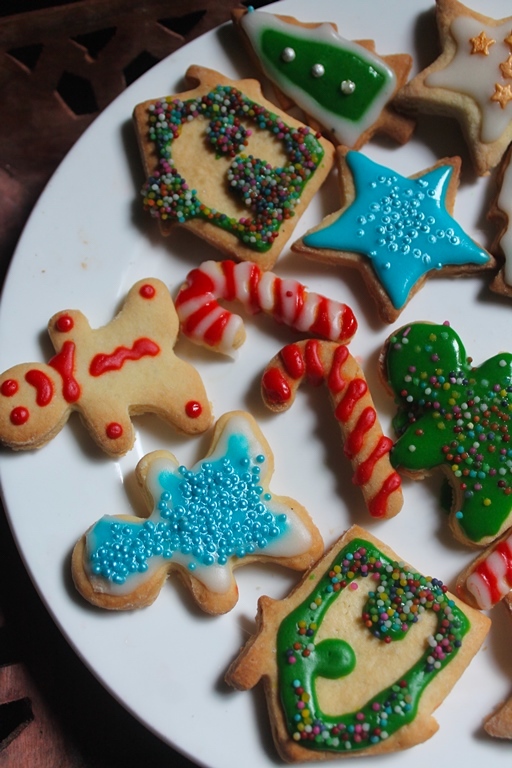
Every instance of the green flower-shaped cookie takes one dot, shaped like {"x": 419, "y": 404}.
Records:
{"x": 456, "y": 417}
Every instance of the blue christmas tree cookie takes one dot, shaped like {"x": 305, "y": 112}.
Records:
{"x": 204, "y": 522}
{"x": 395, "y": 230}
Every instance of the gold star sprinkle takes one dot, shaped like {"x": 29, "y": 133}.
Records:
{"x": 508, "y": 39}
{"x": 502, "y": 94}
{"x": 481, "y": 44}
{"x": 506, "y": 67}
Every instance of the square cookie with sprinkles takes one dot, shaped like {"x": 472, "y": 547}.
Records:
{"x": 225, "y": 163}
{"x": 358, "y": 656}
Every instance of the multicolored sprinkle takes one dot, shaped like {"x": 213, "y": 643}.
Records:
{"x": 398, "y": 598}
{"x": 270, "y": 193}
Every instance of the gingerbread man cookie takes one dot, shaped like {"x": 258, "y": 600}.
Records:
{"x": 225, "y": 163}
{"x": 455, "y": 417}
{"x": 343, "y": 86}
{"x": 107, "y": 375}
{"x": 471, "y": 81}
{"x": 359, "y": 655}
{"x": 395, "y": 230}
{"x": 204, "y": 522}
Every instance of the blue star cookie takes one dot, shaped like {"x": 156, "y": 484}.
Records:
{"x": 395, "y": 229}
{"x": 203, "y": 523}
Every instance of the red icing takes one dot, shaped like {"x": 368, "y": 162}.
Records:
{"x": 355, "y": 440}
{"x": 365, "y": 469}
{"x": 64, "y": 364}
{"x": 147, "y": 291}
{"x": 193, "y": 409}
{"x": 228, "y": 269}
{"x": 378, "y": 505}
{"x": 335, "y": 381}
{"x": 487, "y": 574}
{"x": 9, "y": 387}
{"x": 356, "y": 389}
{"x": 321, "y": 325}
{"x": 104, "y": 363}
{"x": 254, "y": 281}
{"x": 64, "y": 323}
{"x": 314, "y": 365}
{"x": 276, "y": 388}
{"x": 19, "y": 416}
{"x": 198, "y": 284}
{"x": 42, "y": 384}
{"x": 293, "y": 361}
{"x": 215, "y": 331}
{"x": 114, "y": 430}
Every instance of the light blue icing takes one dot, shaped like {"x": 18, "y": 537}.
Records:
{"x": 400, "y": 224}
{"x": 208, "y": 514}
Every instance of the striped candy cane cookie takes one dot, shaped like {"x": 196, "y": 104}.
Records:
{"x": 363, "y": 440}
{"x": 205, "y": 322}
{"x": 489, "y": 578}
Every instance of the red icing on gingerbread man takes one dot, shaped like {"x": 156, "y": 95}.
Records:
{"x": 108, "y": 374}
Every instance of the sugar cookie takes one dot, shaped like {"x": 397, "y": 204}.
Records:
{"x": 363, "y": 441}
{"x": 203, "y": 523}
{"x": 471, "y": 81}
{"x": 345, "y": 89}
{"x": 456, "y": 417}
{"x": 396, "y": 231}
{"x": 107, "y": 375}
{"x": 225, "y": 163}
{"x": 205, "y": 322}
{"x": 358, "y": 656}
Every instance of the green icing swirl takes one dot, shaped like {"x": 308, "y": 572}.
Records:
{"x": 398, "y": 601}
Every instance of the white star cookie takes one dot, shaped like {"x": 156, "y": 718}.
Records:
{"x": 471, "y": 80}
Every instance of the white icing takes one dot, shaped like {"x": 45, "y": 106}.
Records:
{"x": 477, "y": 587}
{"x": 505, "y": 204}
{"x": 497, "y": 566}
{"x": 346, "y": 131}
{"x": 476, "y": 74}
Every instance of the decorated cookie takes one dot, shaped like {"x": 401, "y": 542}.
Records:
{"x": 228, "y": 165}
{"x": 108, "y": 375}
{"x": 359, "y": 655}
{"x": 488, "y": 579}
{"x": 363, "y": 441}
{"x": 203, "y": 523}
{"x": 499, "y": 722}
{"x": 471, "y": 81}
{"x": 455, "y": 417}
{"x": 205, "y": 322}
{"x": 344, "y": 87}
{"x": 501, "y": 214}
{"x": 396, "y": 231}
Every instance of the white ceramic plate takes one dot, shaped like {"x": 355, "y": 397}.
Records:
{"x": 85, "y": 244}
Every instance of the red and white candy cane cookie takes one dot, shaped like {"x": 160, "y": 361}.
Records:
{"x": 488, "y": 579}
{"x": 205, "y": 322}
{"x": 364, "y": 443}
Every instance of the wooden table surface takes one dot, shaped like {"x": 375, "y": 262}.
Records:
{"x": 61, "y": 63}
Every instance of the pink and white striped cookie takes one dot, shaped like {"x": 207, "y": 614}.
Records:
{"x": 204, "y": 321}
{"x": 489, "y": 578}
